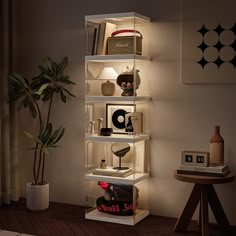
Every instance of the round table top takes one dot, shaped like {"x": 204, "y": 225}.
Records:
{"x": 200, "y": 179}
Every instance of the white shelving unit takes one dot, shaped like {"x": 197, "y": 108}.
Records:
{"x": 99, "y": 148}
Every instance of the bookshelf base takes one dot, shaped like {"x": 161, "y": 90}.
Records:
{"x": 126, "y": 220}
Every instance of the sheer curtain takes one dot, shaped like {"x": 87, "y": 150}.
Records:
{"x": 9, "y": 187}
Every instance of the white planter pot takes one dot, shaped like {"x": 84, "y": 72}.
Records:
{"x": 37, "y": 197}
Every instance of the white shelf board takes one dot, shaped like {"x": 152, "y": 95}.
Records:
{"x": 126, "y": 220}
{"x": 113, "y": 58}
{"x": 118, "y": 17}
{"x": 131, "y": 179}
{"x": 116, "y": 98}
{"x": 118, "y": 138}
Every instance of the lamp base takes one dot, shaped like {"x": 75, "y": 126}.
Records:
{"x": 108, "y": 88}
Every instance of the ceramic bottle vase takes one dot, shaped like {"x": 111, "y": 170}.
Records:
{"x": 216, "y": 148}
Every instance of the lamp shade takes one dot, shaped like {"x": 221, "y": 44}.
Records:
{"x": 108, "y": 73}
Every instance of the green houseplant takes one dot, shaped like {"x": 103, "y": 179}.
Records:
{"x": 37, "y": 95}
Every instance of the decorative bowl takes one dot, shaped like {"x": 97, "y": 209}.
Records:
{"x": 106, "y": 131}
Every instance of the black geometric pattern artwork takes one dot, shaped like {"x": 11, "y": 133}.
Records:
{"x": 223, "y": 36}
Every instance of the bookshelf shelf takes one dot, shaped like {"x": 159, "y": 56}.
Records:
{"x": 131, "y": 179}
{"x": 116, "y": 58}
{"x": 117, "y": 138}
{"x": 128, "y": 220}
{"x": 117, "y": 99}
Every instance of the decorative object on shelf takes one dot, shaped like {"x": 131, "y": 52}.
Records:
{"x": 217, "y": 148}
{"x": 129, "y": 81}
{"x": 129, "y": 42}
{"x": 117, "y": 199}
{"x": 92, "y": 127}
{"x": 120, "y": 150}
{"x": 100, "y": 120}
{"x": 106, "y": 131}
{"x": 108, "y": 88}
{"x": 103, "y": 164}
{"x": 89, "y": 112}
{"x": 133, "y": 122}
{"x": 115, "y": 116}
{"x": 195, "y": 158}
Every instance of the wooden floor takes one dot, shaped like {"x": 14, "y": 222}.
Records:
{"x": 67, "y": 220}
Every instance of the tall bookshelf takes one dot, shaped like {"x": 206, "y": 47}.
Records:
{"x": 125, "y": 190}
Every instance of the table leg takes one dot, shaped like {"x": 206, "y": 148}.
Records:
{"x": 216, "y": 207}
{"x": 189, "y": 209}
{"x": 204, "y": 210}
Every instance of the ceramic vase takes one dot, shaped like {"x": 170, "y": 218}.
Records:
{"x": 216, "y": 148}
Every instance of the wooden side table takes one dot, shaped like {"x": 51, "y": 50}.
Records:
{"x": 203, "y": 192}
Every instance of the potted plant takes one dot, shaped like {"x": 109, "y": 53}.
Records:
{"x": 37, "y": 95}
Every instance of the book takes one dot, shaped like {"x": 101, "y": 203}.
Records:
{"x": 133, "y": 122}
{"x": 92, "y": 37}
{"x": 109, "y": 171}
{"x": 211, "y": 169}
{"x": 213, "y": 174}
{"x": 105, "y": 30}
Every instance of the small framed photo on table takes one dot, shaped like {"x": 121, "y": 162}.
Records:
{"x": 115, "y": 116}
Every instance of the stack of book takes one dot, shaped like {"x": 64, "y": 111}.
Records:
{"x": 218, "y": 171}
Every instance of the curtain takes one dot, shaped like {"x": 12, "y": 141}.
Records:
{"x": 9, "y": 187}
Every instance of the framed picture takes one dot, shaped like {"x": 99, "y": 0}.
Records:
{"x": 115, "y": 116}
{"x": 208, "y": 43}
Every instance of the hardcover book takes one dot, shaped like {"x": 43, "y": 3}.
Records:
{"x": 187, "y": 172}
{"x": 212, "y": 169}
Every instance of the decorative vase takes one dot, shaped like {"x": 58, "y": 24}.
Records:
{"x": 217, "y": 148}
{"x": 37, "y": 197}
{"x": 108, "y": 88}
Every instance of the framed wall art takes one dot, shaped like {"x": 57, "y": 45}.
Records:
{"x": 208, "y": 42}
{"x": 115, "y": 116}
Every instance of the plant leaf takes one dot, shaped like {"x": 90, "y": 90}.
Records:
{"x": 41, "y": 89}
{"x": 62, "y": 65}
{"x": 61, "y": 133}
{"x": 34, "y": 138}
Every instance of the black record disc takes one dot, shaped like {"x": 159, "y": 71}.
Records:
{"x": 118, "y": 118}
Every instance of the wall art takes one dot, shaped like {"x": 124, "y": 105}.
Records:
{"x": 115, "y": 116}
{"x": 208, "y": 44}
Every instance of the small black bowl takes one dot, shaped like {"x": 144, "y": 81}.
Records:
{"x": 106, "y": 131}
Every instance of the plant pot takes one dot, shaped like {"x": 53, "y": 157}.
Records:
{"x": 37, "y": 197}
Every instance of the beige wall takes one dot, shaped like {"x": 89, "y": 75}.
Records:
{"x": 182, "y": 117}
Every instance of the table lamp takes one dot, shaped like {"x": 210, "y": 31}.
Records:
{"x": 108, "y": 88}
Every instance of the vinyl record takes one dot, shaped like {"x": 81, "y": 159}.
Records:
{"x": 118, "y": 118}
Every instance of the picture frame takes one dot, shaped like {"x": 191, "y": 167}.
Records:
{"x": 115, "y": 116}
